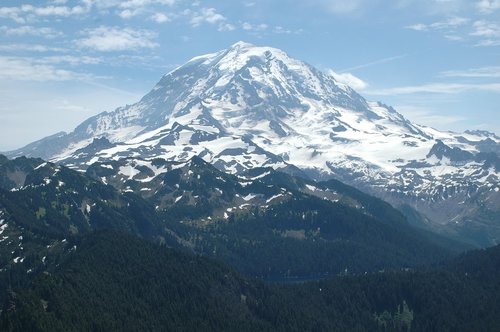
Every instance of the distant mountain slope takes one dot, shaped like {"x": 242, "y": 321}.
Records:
{"x": 267, "y": 224}
{"x": 249, "y": 106}
{"x": 242, "y": 219}
{"x": 116, "y": 282}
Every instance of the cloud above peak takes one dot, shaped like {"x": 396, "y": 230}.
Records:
{"x": 349, "y": 79}
{"x": 109, "y": 39}
{"x": 206, "y": 15}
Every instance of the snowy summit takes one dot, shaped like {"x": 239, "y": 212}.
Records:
{"x": 250, "y": 106}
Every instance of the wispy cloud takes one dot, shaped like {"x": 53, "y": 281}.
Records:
{"x": 488, "y": 43}
{"x": 424, "y": 116}
{"x": 13, "y": 13}
{"x": 70, "y": 60}
{"x": 488, "y": 6}
{"x": 348, "y": 79}
{"x": 261, "y": 28}
{"x": 481, "y": 32}
{"x": 28, "y": 30}
{"x": 374, "y": 63}
{"x": 226, "y": 27}
{"x": 18, "y": 47}
{"x": 254, "y": 27}
{"x": 206, "y": 15}
{"x": 66, "y": 105}
{"x": 485, "y": 28}
{"x": 109, "y": 39}
{"x": 160, "y": 18}
{"x": 482, "y": 72}
{"x": 284, "y": 31}
{"x": 129, "y": 13}
{"x": 488, "y": 32}
{"x": 29, "y": 69}
{"x": 124, "y": 4}
{"x": 27, "y": 12}
{"x": 125, "y": 9}
{"x": 143, "y": 3}
{"x": 363, "y": 7}
{"x": 448, "y": 24}
{"x": 436, "y": 88}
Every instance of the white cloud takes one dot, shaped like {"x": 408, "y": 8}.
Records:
{"x": 454, "y": 37}
{"x": 124, "y": 4}
{"x": 25, "y": 30}
{"x": 226, "y": 27}
{"x": 436, "y": 88}
{"x": 54, "y": 10}
{"x": 484, "y": 28}
{"x": 29, "y": 69}
{"x": 481, "y": 32}
{"x": 26, "y": 12}
{"x": 129, "y": 13}
{"x": 452, "y": 22}
{"x": 449, "y": 24}
{"x": 254, "y": 27}
{"x": 283, "y": 31}
{"x": 349, "y": 79}
{"x": 108, "y": 39}
{"x": 488, "y": 43}
{"x": 206, "y": 15}
{"x": 65, "y": 105}
{"x": 487, "y": 32}
{"x": 58, "y": 8}
{"x": 488, "y": 6}
{"x": 144, "y": 3}
{"x": 483, "y": 72}
{"x": 70, "y": 60}
{"x": 365, "y": 7}
{"x": 246, "y": 26}
{"x": 132, "y": 8}
{"x": 428, "y": 117}
{"x": 160, "y": 18}
{"x": 418, "y": 27}
{"x": 263, "y": 27}
{"x": 13, "y": 13}
{"x": 374, "y": 63}
{"x": 30, "y": 48}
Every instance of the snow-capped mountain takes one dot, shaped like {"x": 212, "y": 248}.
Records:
{"x": 251, "y": 106}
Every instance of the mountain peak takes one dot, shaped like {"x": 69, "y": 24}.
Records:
{"x": 255, "y": 106}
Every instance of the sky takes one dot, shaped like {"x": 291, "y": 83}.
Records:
{"x": 61, "y": 61}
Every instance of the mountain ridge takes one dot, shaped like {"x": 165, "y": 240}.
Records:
{"x": 250, "y": 106}
{"x": 113, "y": 281}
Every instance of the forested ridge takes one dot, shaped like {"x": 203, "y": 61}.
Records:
{"x": 118, "y": 282}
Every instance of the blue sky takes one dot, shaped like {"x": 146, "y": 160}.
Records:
{"x": 62, "y": 61}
